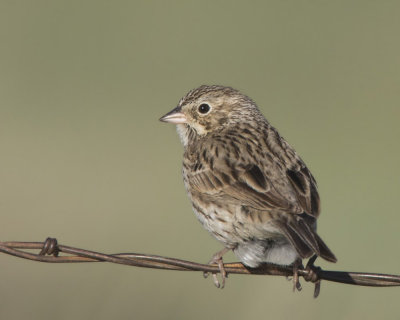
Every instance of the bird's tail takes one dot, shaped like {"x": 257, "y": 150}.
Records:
{"x": 304, "y": 239}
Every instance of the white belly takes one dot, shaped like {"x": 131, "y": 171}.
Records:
{"x": 277, "y": 251}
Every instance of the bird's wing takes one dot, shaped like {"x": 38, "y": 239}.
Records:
{"x": 281, "y": 183}
{"x": 248, "y": 185}
{"x": 261, "y": 182}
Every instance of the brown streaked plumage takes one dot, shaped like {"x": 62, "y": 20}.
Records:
{"x": 247, "y": 185}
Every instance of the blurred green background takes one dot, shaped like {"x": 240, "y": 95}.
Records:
{"x": 84, "y": 158}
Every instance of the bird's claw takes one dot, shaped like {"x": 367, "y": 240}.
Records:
{"x": 296, "y": 281}
{"x": 312, "y": 275}
{"x": 217, "y": 259}
{"x": 222, "y": 271}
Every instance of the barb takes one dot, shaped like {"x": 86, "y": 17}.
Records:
{"x": 50, "y": 252}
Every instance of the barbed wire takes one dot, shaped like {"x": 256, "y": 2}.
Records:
{"x": 50, "y": 252}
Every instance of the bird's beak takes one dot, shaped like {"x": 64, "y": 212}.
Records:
{"x": 175, "y": 116}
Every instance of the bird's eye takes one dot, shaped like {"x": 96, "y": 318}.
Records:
{"x": 204, "y": 108}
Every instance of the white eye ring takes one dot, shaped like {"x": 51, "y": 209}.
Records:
{"x": 204, "y": 108}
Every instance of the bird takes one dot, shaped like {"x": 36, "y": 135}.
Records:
{"x": 248, "y": 187}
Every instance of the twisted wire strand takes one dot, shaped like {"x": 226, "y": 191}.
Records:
{"x": 50, "y": 252}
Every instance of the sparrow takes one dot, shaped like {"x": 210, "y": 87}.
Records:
{"x": 248, "y": 187}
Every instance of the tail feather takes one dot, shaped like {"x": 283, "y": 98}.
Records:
{"x": 302, "y": 248}
{"x": 326, "y": 253}
{"x": 304, "y": 239}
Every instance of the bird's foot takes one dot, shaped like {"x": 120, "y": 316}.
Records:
{"x": 313, "y": 275}
{"x": 296, "y": 282}
{"x": 217, "y": 259}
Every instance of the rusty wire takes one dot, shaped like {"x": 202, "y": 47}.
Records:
{"x": 50, "y": 252}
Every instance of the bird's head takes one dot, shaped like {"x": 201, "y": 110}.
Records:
{"x": 210, "y": 109}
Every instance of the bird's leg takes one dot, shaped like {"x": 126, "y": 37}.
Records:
{"x": 217, "y": 259}
{"x": 313, "y": 275}
{"x": 296, "y": 283}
